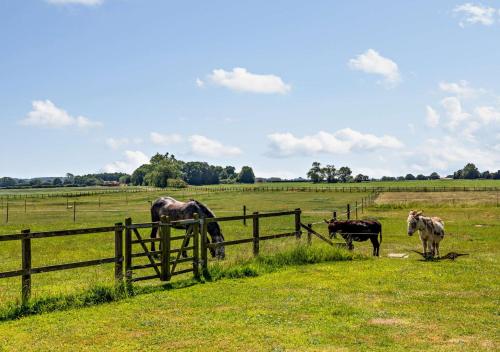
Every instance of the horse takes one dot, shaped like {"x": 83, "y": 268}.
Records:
{"x": 177, "y": 210}
{"x": 431, "y": 231}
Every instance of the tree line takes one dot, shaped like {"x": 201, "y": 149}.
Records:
{"x": 164, "y": 170}
{"x": 330, "y": 174}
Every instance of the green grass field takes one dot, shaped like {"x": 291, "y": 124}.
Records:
{"x": 363, "y": 304}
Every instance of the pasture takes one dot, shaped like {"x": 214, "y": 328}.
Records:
{"x": 355, "y": 305}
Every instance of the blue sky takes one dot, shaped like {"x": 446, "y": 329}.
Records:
{"x": 385, "y": 87}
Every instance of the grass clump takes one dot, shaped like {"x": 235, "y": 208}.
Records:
{"x": 93, "y": 296}
{"x": 299, "y": 255}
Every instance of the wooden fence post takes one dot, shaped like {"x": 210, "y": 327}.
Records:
{"x": 24, "y": 205}
{"x": 297, "y": 223}
{"x": 356, "y": 210}
{"x": 128, "y": 251}
{"x": 204, "y": 248}
{"x": 165, "y": 248}
{"x": 119, "y": 253}
{"x": 348, "y": 211}
{"x": 26, "y": 265}
{"x": 244, "y": 214}
{"x": 255, "y": 233}
{"x": 74, "y": 211}
{"x": 362, "y": 205}
{"x": 99, "y": 202}
{"x": 309, "y": 235}
{"x": 7, "y": 216}
{"x": 196, "y": 246}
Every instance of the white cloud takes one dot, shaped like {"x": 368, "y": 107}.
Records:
{"x": 44, "y": 113}
{"x": 473, "y": 14}
{"x": 203, "y": 146}
{"x": 76, "y": 2}
{"x": 341, "y": 142}
{"x": 165, "y": 139}
{"x": 200, "y": 83}
{"x": 461, "y": 89}
{"x": 372, "y": 62}
{"x": 487, "y": 114}
{"x": 432, "y": 117}
{"x": 454, "y": 111}
{"x": 117, "y": 143}
{"x": 133, "y": 159}
{"x": 448, "y": 151}
{"x": 241, "y": 80}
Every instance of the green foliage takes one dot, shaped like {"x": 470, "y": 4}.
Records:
{"x": 201, "y": 173}
{"x": 7, "y": 182}
{"x": 316, "y": 173}
{"x": 176, "y": 183}
{"x": 246, "y": 175}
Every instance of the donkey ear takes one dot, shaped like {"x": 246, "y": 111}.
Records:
{"x": 419, "y": 213}
{"x": 326, "y": 221}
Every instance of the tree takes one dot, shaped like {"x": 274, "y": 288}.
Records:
{"x": 409, "y": 177}
{"x": 361, "y": 178}
{"x": 330, "y": 173}
{"x": 421, "y": 177}
{"x": 139, "y": 174}
{"x": 344, "y": 174}
{"x": 434, "y": 176}
{"x": 7, "y": 182}
{"x": 201, "y": 173}
{"x": 315, "y": 174}
{"x": 125, "y": 179}
{"x": 57, "y": 182}
{"x": 470, "y": 172}
{"x": 246, "y": 175}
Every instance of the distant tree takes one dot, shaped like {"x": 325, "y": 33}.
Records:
{"x": 470, "y": 172}
{"x": 344, "y": 174}
{"x": 400, "y": 178}
{"x": 125, "y": 179}
{"x": 409, "y": 177}
{"x": 388, "y": 178}
{"x": 496, "y": 175}
{"x": 315, "y": 174}
{"x": 486, "y": 174}
{"x": 421, "y": 177}
{"x": 139, "y": 174}
{"x": 434, "y": 176}
{"x": 201, "y": 173}
{"x": 57, "y": 182}
{"x": 246, "y": 175}
{"x": 361, "y": 178}
{"x": 330, "y": 173}
{"x": 70, "y": 177}
{"x": 7, "y": 182}
{"x": 228, "y": 173}
{"x": 35, "y": 182}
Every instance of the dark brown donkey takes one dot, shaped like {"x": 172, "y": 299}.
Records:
{"x": 357, "y": 230}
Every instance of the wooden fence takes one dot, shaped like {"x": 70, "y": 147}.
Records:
{"x": 124, "y": 254}
{"x": 27, "y": 270}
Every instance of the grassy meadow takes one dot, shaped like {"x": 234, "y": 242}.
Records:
{"x": 348, "y": 303}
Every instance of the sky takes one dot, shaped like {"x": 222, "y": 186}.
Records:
{"x": 385, "y": 87}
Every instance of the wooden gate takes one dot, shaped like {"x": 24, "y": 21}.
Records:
{"x": 165, "y": 261}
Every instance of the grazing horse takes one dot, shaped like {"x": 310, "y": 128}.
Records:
{"x": 177, "y": 210}
{"x": 357, "y": 230}
{"x": 431, "y": 231}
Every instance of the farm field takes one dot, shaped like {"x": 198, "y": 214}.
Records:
{"x": 361, "y": 305}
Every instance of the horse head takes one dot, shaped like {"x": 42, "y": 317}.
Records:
{"x": 215, "y": 232}
{"x": 413, "y": 221}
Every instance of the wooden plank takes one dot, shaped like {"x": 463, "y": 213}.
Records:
{"x": 58, "y": 267}
{"x": 148, "y": 254}
{"x": 119, "y": 252}
{"x": 204, "y": 249}
{"x": 143, "y": 278}
{"x": 318, "y": 235}
{"x": 297, "y": 213}
{"x": 26, "y": 265}
{"x": 72, "y": 232}
{"x": 279, "y": 235}
{"x": 189, "y": 270}
{"x": 14, "y": 237}
{"x": 147, "y": 225}
{"x": 165, "y": 248}
{"x": 139, "y": 267}
{"x": 183, "y": 260}
{"x": 177, "y": 250}
{"x": 182, "y": 237}
{"x": 196, "y": 250}
{"x": 146, "y": 240}
{"x": 144, "y": 254}
{"x": 229, "y": 243}
{"x": 13, "y": 273}
{"x": 128, "y": 251}
{"x": 255, "y": 233}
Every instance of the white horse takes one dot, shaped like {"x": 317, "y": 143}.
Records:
{"x": 431, "y": 231}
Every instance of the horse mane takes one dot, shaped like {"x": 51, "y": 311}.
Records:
{"x": 207, "y": 212}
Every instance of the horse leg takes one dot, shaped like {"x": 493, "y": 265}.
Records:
{"x": 185, "y": 243}
{"x": 154, "y": 231}
{"x": 375, "y": 245}
{"x": 424, "y": 245}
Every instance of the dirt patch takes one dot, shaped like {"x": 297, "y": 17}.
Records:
{"x": 451, "y": 198}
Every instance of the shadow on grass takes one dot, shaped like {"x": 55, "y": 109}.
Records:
{"x": 300, "y": 255}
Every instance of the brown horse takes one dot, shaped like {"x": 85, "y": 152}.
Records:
{"x": 177, "y": 210}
